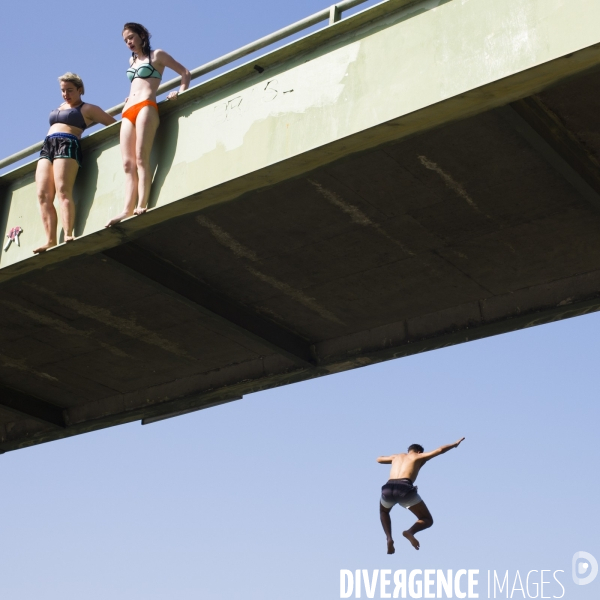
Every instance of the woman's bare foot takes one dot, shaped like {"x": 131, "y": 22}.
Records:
{"x": 69, "y": 238}
{"x": 140, "y": 210}
{"x": 117, "y": 219}
{"x": 390, "y": 545}
{"x": 44, "y": 247}
{"x": 412, "y": 539}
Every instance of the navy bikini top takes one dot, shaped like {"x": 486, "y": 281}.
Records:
{"x": 68, "y": 116}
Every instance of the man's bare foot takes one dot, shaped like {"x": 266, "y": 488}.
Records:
{"x": 44, "y": 247}
{"x": 412, "y": 539}
{"x": 390, "y": 545}
{"x": 69, "y": 238}
{"x": 117, "y": 219}
{"x": 140, "y": 210}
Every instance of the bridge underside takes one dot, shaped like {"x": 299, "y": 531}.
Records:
{"x": 479, "y": 227}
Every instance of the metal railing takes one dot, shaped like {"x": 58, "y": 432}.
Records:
{"x": 331, "y": 14}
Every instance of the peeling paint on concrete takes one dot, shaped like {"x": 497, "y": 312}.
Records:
{"x": 514, "y": 37}
{"x": 303, "y": 88}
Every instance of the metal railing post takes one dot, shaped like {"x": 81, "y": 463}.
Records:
{"x": 335, "y": 14}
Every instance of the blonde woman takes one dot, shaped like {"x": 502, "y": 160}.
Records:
{"x": 61, "y": 157}
{"x": 140, "y": 115}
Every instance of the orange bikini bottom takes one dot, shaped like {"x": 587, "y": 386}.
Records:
{"x": 132, "y": 112}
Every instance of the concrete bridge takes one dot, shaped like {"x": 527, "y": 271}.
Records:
{"x": 411, "y": 177}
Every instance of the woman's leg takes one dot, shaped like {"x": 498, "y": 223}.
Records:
{"x": 65, "y": 171}
{"x": 128, "y": 137}
{"x": 44, "y": 181}
{"x": 146, "y": 126}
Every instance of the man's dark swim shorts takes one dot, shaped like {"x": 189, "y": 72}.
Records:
{"x": 399, "y": 491}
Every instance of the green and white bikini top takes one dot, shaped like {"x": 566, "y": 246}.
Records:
{"x": 144, "y": 71}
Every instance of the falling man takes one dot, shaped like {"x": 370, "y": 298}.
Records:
{"x": 400, "y": 489}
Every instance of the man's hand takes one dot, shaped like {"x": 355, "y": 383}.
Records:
{"x": 457, "y": 444}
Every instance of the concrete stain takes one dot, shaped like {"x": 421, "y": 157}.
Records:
{"x": 241, "y": 251}
{"x": 21, "y": 365}
{"x": 450, "y": 182}
{"x": 356, "y": 215}
{"x": 62, "y": 327}
{"x": 297, "y": 295}
{"x": 125, "y": 326}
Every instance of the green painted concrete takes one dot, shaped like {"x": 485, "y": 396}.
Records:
{"x": 393, "y": 71}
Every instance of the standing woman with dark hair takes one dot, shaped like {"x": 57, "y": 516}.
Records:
{"x": 140, "y": 115}
{"x": 53, "y": 177}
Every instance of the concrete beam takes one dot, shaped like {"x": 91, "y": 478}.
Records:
{"x": 32, "y": 408}
{"x": 552, "y": 140}
{"x": 171, "y": 415}
{"x": 219, "y": 310}
{"x": 571, "y": 297}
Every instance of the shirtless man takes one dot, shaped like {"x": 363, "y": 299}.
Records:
{"x": 400, "y": 489}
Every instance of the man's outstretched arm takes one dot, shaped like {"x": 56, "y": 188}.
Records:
{"x": 441, "y": 450}
{"x": 385, "y": 460}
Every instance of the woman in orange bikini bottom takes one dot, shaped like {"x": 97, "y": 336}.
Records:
{"x": 146, "y": 67}
{"x": 132, "y": 112}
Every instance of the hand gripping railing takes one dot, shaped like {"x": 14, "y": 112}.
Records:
{"x": 332, "y": 14}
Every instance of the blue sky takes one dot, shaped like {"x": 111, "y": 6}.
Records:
{"x": 269, "y": 497}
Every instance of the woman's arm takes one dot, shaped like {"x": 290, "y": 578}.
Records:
{"x": 97, "y": 115}
{"x": 160, "y": 56}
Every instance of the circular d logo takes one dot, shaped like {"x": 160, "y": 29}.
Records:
{"x": 585, "y": 568}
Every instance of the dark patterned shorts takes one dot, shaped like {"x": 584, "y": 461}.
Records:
{"x": 399, "y": 491}
{"x": 62, "y": 145}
